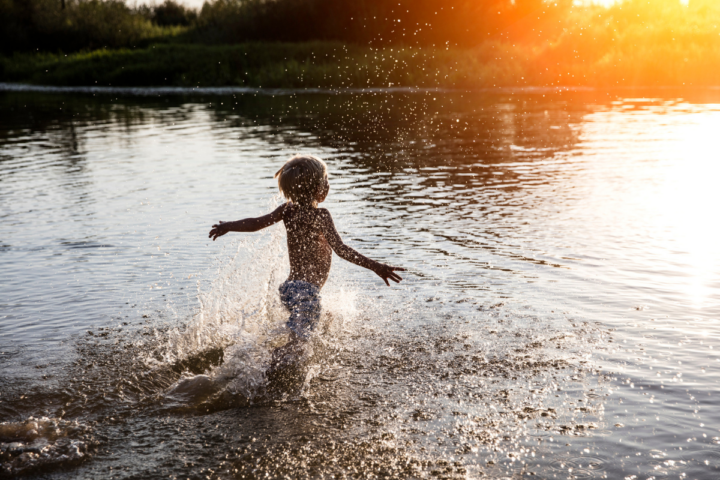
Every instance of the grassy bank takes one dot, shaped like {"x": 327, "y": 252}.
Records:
{"x": 312, "y": 65}
{"x": 335, "y": 65}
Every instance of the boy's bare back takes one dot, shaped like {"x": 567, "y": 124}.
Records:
{"x": 311, "y": 239}
{"x": 307, "y": 241}
{"x": 311, "y": 233}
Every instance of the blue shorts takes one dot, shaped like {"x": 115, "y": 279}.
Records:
{"x": 303, "y": 301}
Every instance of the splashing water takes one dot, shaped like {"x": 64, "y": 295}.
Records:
{"x": 38, "y": 443}
{"x": 241, "y": 317}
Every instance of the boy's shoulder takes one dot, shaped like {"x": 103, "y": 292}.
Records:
{"x": 324, "y": 214}
{"x": 290, "y": 211}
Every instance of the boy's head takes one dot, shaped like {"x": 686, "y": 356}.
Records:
{"x": 303, "y": 180}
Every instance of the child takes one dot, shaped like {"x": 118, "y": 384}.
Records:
{"x": 311, "y": 239}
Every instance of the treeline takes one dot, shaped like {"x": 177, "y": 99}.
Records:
{"x": 382, "y": 22}
{"x": 449, "y": 43}
{"x": 70, "y": 25}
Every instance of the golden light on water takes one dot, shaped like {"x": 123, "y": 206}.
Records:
{"x": 689, "y": 198}
{"x": 661, "y": 191}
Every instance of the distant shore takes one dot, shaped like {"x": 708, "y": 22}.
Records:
{"x": 332, "y": 66}
{"x": 154, "y": 91}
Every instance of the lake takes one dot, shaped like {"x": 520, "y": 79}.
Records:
{"x": 559, "y": 317}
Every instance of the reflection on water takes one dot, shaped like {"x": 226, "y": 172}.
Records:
{"x": 559, "y": 319}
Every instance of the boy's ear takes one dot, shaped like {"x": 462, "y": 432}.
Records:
{"x": 323, "y": 192}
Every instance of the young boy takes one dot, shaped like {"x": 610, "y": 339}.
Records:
{"x": 311, "y": 239}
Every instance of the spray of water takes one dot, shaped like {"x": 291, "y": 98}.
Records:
{"x": 42, "y": 443}
{"x": 241, "y": 320}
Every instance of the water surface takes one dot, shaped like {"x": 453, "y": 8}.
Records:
{"x": 559, "y": 316}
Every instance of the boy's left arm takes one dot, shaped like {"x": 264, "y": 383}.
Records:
{"x": 351, "y": 255}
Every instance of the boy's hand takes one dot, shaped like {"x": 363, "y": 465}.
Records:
{"x": 219, "y": 229}
{"x": 386, "y": 271}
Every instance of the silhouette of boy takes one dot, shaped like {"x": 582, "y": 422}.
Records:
{"x": 311, "y": 239}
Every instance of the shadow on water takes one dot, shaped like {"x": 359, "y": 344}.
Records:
{"x": 416, "y": 128}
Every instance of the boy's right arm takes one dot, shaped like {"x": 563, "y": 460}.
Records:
{"x": 351, "y": 255}
{"x": 248, "y": 224}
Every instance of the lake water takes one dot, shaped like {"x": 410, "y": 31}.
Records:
{"x": 559, "y": 317}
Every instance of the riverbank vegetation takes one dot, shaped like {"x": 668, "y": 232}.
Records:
{"x": 368, "y": 43}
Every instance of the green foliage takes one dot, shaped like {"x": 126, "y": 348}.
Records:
{"x": 637, "y": 42}
{"x": 377, "y": 22}
{"x": 70, "y": 25}
{"x": 272, "y": 65}
{"x": 170, "y": 13}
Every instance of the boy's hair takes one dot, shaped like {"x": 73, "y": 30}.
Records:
{"x": 301, "y": 178}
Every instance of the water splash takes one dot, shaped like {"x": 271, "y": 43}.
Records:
{"x": 241, "y": 317}
{"x": 41, "y": 443}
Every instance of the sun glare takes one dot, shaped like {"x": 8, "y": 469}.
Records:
{"x": 608, "y": 3}
{"x": 661, "y": 191}
{"x": 689, "y": 193}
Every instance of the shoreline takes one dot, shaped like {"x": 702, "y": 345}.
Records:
{"x": 147, "y": 91}
{"x": 155, "y": 90}
{"x": 332, "y": 67}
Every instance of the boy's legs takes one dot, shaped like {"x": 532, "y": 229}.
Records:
{"x": 302, "y": 299}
